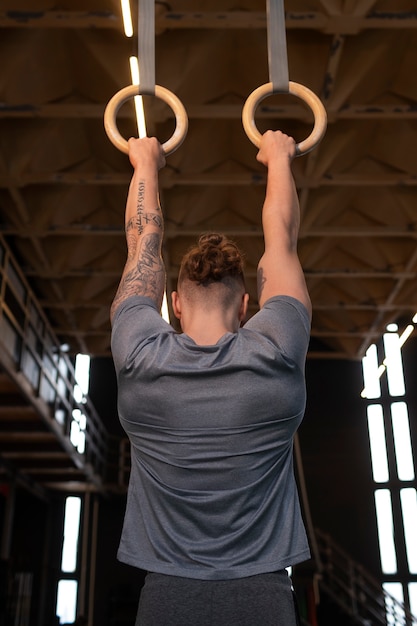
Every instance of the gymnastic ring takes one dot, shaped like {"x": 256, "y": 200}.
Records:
{"x": 302, "y": 92}
{"x": 167, "y": 96}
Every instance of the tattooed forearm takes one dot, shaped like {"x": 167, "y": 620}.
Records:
{"x": 131, "y": 238}
{"x": 150, "y": 251}
{"x": 135, "y": 226}
{"x": 143, "y": 219}
{"x": 147, "y": 276}
{"x": 144, "y": 273}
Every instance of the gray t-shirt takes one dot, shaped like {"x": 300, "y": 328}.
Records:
{"x": 212, "y": 493}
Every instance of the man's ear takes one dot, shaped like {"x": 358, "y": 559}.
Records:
{"x": 243, "y": 307}
{"x": 176, "y": 305}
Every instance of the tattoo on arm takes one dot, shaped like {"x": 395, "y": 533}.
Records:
{"x": 135, "y": 228}
{"x": 261, "y": 280}
{"x": 144, "y": 273}
{"x": 131, "y": 238}
{"x": 146, "y": 277}
{"x": 143, "y": 218}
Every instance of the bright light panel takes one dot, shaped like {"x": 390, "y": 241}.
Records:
{"x": 378, "y": 444}
{"x": 75, "y": 433}
{"x": 82, "y": 372}
{"x": 66, "y": 602}
{"x": 395, "y": 614}
{"x": 402, "y": 441}
{"x": 77, "y": 430}
{"x": 127, "y": 18}
{"x": 394, "y": 364}
{"x": 371, "y": 376}
{"x": 164, "y": 310}
{"x": 385, "y": 531}
{"x": 71, "y": 532}
{"x": 412, "y": 594}
{"x": 408, "y": 498}
{"x": 140, "y": 113}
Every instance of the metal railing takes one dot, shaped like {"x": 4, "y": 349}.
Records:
{"x": 32, "y": 354}
{"x": 354, "y": 590}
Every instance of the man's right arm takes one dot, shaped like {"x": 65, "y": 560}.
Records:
{"x": 144, "y": 271}
{"x": 279, "y": 269}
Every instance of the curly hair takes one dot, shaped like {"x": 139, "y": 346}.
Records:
{"x": 213, "y": 259}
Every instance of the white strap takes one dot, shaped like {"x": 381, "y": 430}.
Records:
{"x": 146, "y": 46}
{"x": 277, "y": 46}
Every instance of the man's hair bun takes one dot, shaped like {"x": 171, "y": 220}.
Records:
{"x": 214, "y": 258}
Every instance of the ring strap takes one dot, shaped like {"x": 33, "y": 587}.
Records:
{"x": 277, "y": 46}
{"x": 146, "y": 46}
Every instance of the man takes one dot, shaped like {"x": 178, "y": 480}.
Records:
{"x": 212, "y": 512}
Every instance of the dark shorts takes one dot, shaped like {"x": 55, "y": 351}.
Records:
{"x": 262, "y": 600}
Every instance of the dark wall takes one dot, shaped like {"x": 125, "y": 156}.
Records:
{"x": 336, "y": 459}
{"x": 35, "y": 550}
{"x": 118, "y": 585}
{"x": 103, "y": 392}
{"x": 336, "y": 455}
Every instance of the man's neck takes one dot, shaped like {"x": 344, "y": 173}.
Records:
{"x": 206, "y": 330}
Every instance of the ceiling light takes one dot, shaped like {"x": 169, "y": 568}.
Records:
{"x": 127, "y": 18}
{"x": 140, "y": 113}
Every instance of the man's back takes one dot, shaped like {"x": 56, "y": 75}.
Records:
{"x": 211, "y": 429}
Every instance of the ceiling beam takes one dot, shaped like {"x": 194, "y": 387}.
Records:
{"x": 215, "y": 111}
{"x": 340, "y": 23}
{"x": 87, "y": 273}
{"x": 94, "y": 230}
{"x": 411, "y": 267}
{"x": 36, "y": 455}
{"x": 170, "y": 179}
{"x": 339, "y": 306}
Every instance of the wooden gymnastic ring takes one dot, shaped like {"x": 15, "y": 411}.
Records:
{"x": 305, "y": 94}
{"x": 167, "y": 96}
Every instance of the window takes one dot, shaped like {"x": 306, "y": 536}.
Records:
{"x": 393, "y": 470}
{"x": 66, "y": 603}
{"x": 377, "y": 442}
{"x": 79, "y": 420}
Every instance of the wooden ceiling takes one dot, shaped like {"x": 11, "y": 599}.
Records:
{"x": 63, "y": 184}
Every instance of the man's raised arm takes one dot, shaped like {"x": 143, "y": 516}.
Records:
{"x": 279, "y": 269}
{"x": 144, "y": 272}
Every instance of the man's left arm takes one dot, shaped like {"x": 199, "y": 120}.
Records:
{"x": 144, "y": 272}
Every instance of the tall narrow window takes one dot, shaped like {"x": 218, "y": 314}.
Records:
{"x": 409, "y": 509}
{"x": 71, "y": 532}
{"x": 385, "y": 531}
{"x": 393, "y": 465}
{"x": 79, "y": 420}
{"x": 395, "y": 615}
{"x": 371, "y": 377}
{"x": 82, "y": 376}
{"x": 402, "y": 441}
{"x": 377, "y": 443}
{"x": 412, "y": 594}
{"x": 394, "y": 363}
{"x": 66, "y": 602}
